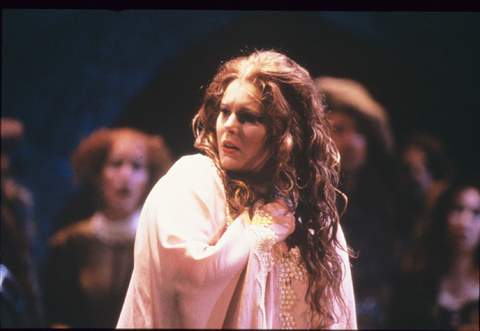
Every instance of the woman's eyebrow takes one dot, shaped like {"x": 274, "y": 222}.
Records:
{"x": 242, "y": 109}
{"x": 249, "y": 110}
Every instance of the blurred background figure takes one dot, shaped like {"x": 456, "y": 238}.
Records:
{"x": 441, "y": 290}
{"x": 18, "y": 275}
{"x": 362, "y": 134}
{"x": 91, "y": 261}
{"x": 425, "y": 172}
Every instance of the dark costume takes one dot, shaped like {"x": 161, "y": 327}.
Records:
{"x": 417, "y": 306}
{"x": 89, "y": 270}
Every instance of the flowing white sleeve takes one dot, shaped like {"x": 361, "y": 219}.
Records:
{"x": 350, "y": 320}
{"x": 185, "y": 267}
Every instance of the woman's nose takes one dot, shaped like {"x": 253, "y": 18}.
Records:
{"x": 466, "y": 217}
{"x": 231, "y": 123}
{"x": 126, "y": 170}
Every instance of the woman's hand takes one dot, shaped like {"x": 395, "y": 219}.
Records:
{"x": 283, "y": 221}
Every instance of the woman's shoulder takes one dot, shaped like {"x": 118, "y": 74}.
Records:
{"x": 193, "y": 167}
{"x": 197, "y": 161}
{"x": 73, "y": 231}
{"x": 192, "y": 186}
{"x": 190, "y": 173}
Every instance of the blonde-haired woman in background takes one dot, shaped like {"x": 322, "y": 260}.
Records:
{"x": 91, "y": 261}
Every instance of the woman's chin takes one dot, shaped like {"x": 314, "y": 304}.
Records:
{"x": 231, "y": 165}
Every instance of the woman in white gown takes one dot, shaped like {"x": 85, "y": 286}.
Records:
{"x": 246, "y": 234}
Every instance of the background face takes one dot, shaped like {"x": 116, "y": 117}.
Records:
{"x": 351, "y": 144}
{"x": 125, "y": 176}
{"x": 415, "y": 162}
{"x": 464, "y": 220}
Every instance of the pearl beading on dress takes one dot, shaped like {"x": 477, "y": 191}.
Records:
{"x": 265, "y": 240}
{"x": 289, "y": 264}
{"x": 290, "y": 267}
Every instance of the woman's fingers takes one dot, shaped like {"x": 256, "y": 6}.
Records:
{"x": 283, "y": 221}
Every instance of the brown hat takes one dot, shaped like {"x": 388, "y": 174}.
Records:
{"x": 354, "y": 99}
{"x": 12, "y": 132}
{"x": 11, "y": 129}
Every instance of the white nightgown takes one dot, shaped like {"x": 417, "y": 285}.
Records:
{"x": 191, "y": 271}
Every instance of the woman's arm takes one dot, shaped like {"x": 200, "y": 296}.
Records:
{"x": 350, "y": 320}
{"x": 186, "y": 265}
{"x": 185, "y": 217}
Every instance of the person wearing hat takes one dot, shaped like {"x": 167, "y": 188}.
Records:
{"x": 362, "y": 134}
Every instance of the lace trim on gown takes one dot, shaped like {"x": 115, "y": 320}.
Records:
{"x": 290, "y": 264}
{"x": 290, "y": 267}
{"x": 265, "y": 240}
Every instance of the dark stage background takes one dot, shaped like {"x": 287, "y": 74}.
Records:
{"x": 66, "y": 73}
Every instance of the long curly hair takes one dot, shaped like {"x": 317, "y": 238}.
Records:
{"x": 306, "y": 164}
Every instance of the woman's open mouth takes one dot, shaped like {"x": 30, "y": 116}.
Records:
{"x": 124, "y": 192}
{"x": 228, "y": 147}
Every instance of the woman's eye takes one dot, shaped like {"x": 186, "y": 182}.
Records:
{"x": 249, "y": 118}
{"x": 338, "y": 129}
{"x": 225, "y": 112}
{"x": 137, "y": 166}
{"x": 457, "y": 208}
{"x": 116, "y": 164}
{"x": 476, "y": 212}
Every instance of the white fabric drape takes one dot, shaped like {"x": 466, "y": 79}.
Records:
{"x": 191, "y": 271}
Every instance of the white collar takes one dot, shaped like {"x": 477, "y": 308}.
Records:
{"x": 115, "y": 230}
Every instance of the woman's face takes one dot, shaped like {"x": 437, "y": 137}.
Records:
{"x": 415, "y": 161}
{"x": 124, "y": 176}
{"x": 464, "y": 220}
{"x": 241, "y": 130}
{"x": 351, "y": 144}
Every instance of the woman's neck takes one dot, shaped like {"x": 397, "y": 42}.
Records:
{"x": 261, "y": 182}
{"x": 115, "y": 215}
{"x": 463, "y": 266}
{"x": 460, "y": 285}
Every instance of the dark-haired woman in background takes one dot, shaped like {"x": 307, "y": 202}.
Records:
{"x": 441, "y": 289}
{"x": 425, "y": 172}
